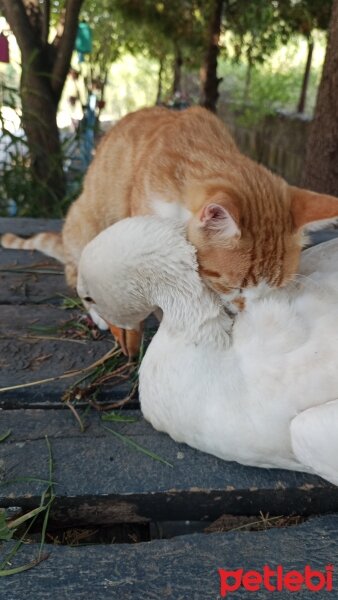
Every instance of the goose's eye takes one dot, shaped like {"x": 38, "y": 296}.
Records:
{"x": 88, "y": 299}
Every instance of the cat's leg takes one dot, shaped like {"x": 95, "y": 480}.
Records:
{"x": 314, "y": 439}
{"x": 71, "y": 275}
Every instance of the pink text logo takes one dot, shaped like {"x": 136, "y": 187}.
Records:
{"x": 276, "y": 580}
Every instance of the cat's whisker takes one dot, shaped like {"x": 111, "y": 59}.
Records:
{"x": 307, "y": 279}
{"x": 292, "y": 284}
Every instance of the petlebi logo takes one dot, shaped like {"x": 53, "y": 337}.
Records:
{"x": 275, "y": 579}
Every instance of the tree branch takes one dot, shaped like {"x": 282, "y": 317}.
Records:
{"x": 65, "y": 46}
{"x": 45, "y": 21}
{"x": 34, "y": 14}
{"x": 19, "y": 23}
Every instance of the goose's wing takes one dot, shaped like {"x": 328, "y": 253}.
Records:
{"x": 314, "y": 438}
{"x": 322, "y": 258}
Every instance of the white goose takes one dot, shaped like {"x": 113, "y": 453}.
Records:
{"x": 262, "y": 389}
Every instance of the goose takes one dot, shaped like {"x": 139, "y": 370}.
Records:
{"x": 259, "y": 387}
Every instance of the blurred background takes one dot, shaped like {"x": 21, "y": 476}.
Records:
{"x": 70, "y": 68}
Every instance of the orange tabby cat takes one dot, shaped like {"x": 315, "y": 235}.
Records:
{"x": 245, "y": 222}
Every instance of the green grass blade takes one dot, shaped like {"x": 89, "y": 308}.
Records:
{"x": 5, "y": 435}
{"x": 32, "y": 513}
{"x": 118, "y": 418}
{"x": 52, "y": 497}
{"x": 33, "y": 516}
{"x": 32, "y": 271}
{"x": 69, "y": 303}
{"x": 43, "y": 329}
{"x": 137, "y": 447}
{"x": 24, "y": 480}
{"x": 17, "y": 546}
{"x": 5, "y": 532}
{"x": 26, "y": 567}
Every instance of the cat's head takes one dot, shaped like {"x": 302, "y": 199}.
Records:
{"x": 251, "y": 234}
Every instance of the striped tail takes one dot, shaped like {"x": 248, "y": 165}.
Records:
{"x": 48, "y": 243}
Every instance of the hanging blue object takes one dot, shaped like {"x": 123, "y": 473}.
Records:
{"x": 84, "y": 39}
{"x": 87, "y": 131}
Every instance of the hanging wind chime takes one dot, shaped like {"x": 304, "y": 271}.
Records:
{"x": 83, "y": 46}
{"x": 84, "y": 40}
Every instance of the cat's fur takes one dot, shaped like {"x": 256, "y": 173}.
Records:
{"x": 245, "y": 222}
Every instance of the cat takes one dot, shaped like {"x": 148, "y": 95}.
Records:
{"x": 246, "y": 223}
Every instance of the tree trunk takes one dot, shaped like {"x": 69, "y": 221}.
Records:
{"x": 178, "y": 62}
{"x": 321, "y": 164}
{"x": 209, "y": 79}
{"x": 39, "y": 108}
{"x": 305, "y": 82}
{"x": 159, "y": 82}
{"x": 44, "y": 70}
{"x": 247, "y": 81}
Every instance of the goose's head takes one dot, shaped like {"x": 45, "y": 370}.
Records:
{"x": 135, "y": 266}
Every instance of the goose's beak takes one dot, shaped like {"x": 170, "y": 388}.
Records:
{"x": 129, "y": 340}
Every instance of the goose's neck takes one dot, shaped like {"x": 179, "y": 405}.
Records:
{"x": 193, "y": 312}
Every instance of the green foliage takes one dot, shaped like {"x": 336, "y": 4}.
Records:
{"x": 269, "y": 92}
{"x": 274, "y": 85}
{"x": 18, "y": 186}
{"x": 303, "y": 16}
{"x": 257, "y": 29}
{"x": 162, "y": 28}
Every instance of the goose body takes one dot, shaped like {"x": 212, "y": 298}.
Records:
{"x": 261, "y": 388}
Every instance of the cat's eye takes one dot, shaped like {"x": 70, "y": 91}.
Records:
{"x": 88, "y": 299}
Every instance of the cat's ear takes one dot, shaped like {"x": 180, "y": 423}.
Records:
{"x": 215, "y": 218}
{"x": 312, "y": 210}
